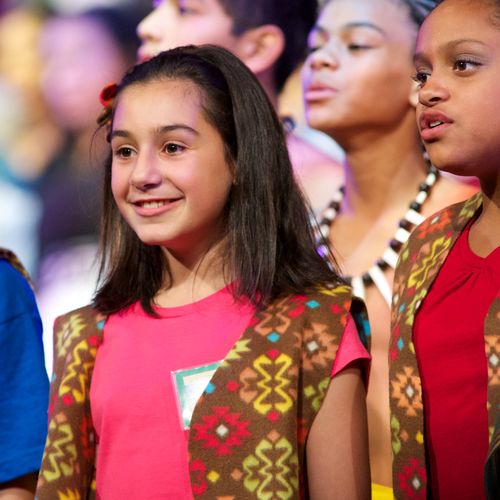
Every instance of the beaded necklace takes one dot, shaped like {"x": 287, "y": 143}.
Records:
{"x": 375, "y": 275}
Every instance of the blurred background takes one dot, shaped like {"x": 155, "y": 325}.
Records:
{"x": 55, "y": 57}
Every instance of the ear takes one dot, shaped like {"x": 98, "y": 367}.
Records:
{"x": 413, "y": 97}
{"x": 259, "y": 48}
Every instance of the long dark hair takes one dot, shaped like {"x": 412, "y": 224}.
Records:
{"x": 270, "y": 247}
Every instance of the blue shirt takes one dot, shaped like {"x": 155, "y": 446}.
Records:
{"x": 24, "y": 386}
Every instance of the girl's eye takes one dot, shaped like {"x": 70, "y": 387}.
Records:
{"x": 420, "y": 77}
{"x": 358, "y": 46}
{"x": 124, "y": 152}
{"x": 183, "y": 8}
{"x": 173, "y": 148}
{"x": 462, "y": 65}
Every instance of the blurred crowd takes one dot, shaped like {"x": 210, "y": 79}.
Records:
{"x": 55, "y": 57}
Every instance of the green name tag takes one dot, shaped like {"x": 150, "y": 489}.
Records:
{"x": 190, "y": 384}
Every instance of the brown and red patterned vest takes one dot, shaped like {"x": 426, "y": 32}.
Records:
{"x": 419, "y": 264}
{"x": 248, "y": 430}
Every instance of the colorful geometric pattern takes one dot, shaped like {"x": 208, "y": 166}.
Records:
{"x": 418, "y": 266}
{"x": 248, "y": 430}
{"x": 67, "y": 470}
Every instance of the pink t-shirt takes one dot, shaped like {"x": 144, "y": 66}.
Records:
{"x": 142, "y": 444}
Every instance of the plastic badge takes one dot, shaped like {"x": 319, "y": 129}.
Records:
{"x": 190, "y": 384}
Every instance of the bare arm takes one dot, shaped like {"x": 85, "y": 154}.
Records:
{"x": 22, "y": 488}
{"x": 337, "y": 447}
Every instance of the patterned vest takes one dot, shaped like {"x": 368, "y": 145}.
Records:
{"x": 248, "y": 430}
{"x": 419, "y": 264}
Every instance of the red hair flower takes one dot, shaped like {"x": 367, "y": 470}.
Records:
{"x": 106, "y": 98}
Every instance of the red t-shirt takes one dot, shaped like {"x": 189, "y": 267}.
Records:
{"x": 135, "y": 403}
{"x": 448, "y": 335}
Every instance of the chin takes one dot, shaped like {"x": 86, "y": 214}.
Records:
{"x": 319, "y": 121}
{"x": 455, "y": 166}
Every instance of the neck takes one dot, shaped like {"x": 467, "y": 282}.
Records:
{"x": 381, "y": 170}
{"x": 483, "y": 240}
{"x": 193, "y": 276}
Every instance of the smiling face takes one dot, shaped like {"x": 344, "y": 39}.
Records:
{"x": 457, "y": 66}
{"x": 358, "y": 74}
{"x": 170, "y": 176}
{"x": 174, "y": 23}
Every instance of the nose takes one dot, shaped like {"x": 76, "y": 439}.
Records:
{"x": 433, "y": 91}
{"x": 146, "y": 173}
{"x": 325, "y": 57}
{"x": 147, "y": 28}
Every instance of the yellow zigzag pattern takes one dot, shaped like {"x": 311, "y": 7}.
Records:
{"x": 333, "y": 292}
{"x": 259, "y": 364}
{"x": 322, "y": 387}
{"x": 69, "y": 495}
{"x": 63, "y": 457}
{"x": 429, "y": 263}
{"x": 67, "y": 332}
{"x": 284, "y": 469}
{"x": 78, "y": 372}
{"x": 235, "y": 353}
{"x": 262, "y": 465}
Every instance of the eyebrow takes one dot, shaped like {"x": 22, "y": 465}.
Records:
{"x": 158, "y": 131}
{"x": 420, "y": 57}
{"x": 350, "y": 26}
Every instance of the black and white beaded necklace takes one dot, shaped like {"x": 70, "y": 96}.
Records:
{"x": 375, "y": 275}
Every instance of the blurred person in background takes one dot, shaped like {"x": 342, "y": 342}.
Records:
{"x": 81, "y": 53}
{"x": 24, "y": 127}
{"x": 270, "y": 38}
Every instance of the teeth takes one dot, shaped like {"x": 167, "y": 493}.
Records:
{"x": 435, "y": 123}
{"x": 153, "y": 204}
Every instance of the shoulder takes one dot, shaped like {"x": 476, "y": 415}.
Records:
{"x": 11, "y": 269}
{"x": 10, "y": 275}
{"x": 428, "y": 246}
{"x": 17, "y": 296}
{"x": 447, "y": 192}
{"x": 76, "y": 333}
{"x": 447, "y": 222}
{"x": 79, "y": 324}
{"x": 320, "y": 302}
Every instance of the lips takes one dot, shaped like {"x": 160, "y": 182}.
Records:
{"x": 433, "y": 124}
{"x": 319, "y": 91}
{"x": 152, "y": 207}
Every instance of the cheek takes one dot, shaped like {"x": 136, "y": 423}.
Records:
{"x": 119, "y": 185}
{"x": 213, "y": 191}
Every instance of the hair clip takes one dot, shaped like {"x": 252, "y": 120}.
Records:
{"x": 106, "y": 98}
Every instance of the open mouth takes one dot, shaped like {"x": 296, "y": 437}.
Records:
{"x": 154, "y": 207}
{"x": 435, "y": 123}
{"x": 152, "y": 204}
